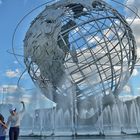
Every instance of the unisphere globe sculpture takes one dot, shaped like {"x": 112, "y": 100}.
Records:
{"x": 85, "y": 44}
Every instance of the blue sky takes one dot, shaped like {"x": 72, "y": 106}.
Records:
{"x": 11, "y": 12}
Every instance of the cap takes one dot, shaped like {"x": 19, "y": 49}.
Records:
{"x": 12, "y": 109}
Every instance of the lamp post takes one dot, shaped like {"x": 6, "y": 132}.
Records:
{"x": 4, "y": 90}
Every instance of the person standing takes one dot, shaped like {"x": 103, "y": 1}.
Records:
{"x": 14, "y": 121}
{"x": 3, "y": 128}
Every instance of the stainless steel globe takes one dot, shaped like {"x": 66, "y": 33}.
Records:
{"x": 87, "y": 45}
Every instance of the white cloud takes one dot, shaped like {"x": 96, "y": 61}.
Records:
{"x": 127, "y": 97}
{"x": 131, "y": 3}
{"x": 138, "y": 52}
{"x": 11, "y": 74}
{"x": 136, "y": 32}
{"x": 135, "y": 72}
{"x": 94, "y": 39}
{"x": 76, "y": 30}
{"x": 135, "y": 6}
{"x": 127, "y": 89}
{"x": 138, "y": 88}
{"x": 15, "y": 62}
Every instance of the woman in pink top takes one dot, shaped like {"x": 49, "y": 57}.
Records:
{"x": 3, "y": 128}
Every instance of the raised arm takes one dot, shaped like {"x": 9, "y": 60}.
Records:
{"x": 23, "y": 108}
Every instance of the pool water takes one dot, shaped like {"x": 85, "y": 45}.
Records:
{"x": 123, "y": 137}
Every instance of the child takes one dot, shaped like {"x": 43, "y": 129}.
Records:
{"x": 3, "y": 128}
